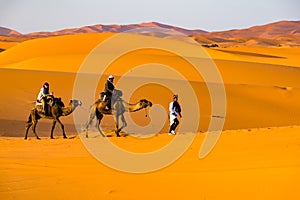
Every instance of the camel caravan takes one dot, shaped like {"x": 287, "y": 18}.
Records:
{"x": 110, "y": 103}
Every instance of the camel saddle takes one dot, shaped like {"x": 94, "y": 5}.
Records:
{"x": 50, "y": 101}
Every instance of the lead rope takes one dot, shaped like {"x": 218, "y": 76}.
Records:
{"x": 146, "y": 112}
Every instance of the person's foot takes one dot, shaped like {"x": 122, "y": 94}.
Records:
{"x": 172, "y": 132}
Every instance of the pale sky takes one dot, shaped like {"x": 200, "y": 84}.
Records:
{"x": 211, "y": 15}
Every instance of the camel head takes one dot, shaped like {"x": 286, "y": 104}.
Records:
{"x": 144, "y": 103}
{"x": 75, "y": 103}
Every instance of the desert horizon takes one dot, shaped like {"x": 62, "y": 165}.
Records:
{"x": 256, "y": 156}
{"x": 277, "y": 34}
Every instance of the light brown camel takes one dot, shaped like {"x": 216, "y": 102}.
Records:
{"x": 119, "y": 107}
{"x": 56, "y": 110}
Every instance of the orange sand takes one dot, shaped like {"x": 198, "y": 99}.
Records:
{"x": 250, "y": 161}
{"x": 7, "y": 42}
{"x": 256, "y": 164}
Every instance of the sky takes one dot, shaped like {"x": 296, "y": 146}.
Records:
{"x": 27, "y": 16}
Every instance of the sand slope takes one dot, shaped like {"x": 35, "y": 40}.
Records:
{"x": 262, "y": 84}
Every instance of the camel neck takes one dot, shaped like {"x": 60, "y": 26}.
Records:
{"x": 134, "y": 107}
{"x": 68, "y": 110}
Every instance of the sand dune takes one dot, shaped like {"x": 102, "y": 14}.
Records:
{"x": 255, "y": 158}
{"x": 48, "y": 49}
{"x": 243, "y": 69}
{"x": 7, "y": 42}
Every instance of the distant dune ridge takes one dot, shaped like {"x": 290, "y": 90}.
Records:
{"x": 99, "y": 28}
{"x": 274, "y": 34}
{"x": 9, "y": 32}
{"x": 282, "y": 33}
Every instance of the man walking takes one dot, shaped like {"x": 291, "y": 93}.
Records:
{"x": 175, "y": 111}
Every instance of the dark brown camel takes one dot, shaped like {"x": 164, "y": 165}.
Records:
{"x": 119, "y": 106}
{"x": 56, "y": 111}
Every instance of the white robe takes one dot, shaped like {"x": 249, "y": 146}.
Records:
{"x": 173, "y": 114}
{"x": 40, "y": 96}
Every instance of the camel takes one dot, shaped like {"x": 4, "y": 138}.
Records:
{"x": 119, "y": 107}
{"x": 56, "y": 111}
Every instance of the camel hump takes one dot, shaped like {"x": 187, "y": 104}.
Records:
{"x": 50, "y": 102}
{"x": 58, "y": 101}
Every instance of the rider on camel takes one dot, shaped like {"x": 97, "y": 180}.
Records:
{"x": 42, "y": 97}
{"x": 109, "y": 88}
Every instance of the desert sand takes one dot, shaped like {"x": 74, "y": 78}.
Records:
{"x": 256, "y": 157}
{"x": 256, "y": 164}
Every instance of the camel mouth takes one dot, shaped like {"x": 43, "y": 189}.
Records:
{"x": 150, "y": 104}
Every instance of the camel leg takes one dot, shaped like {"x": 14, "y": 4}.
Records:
{"x": 91, "y": 117}
{"x": 52, "y": 129}
{"x": 87, "y": 126}
{"x": 34, "y": 129}
{"x": 124, "y": 123}
{"x": 32, "y": 122}
{"x": 29, "y": 124}
{"x": 99, "y": 117}
{"x": 62, "y": 128}
{"x": 117, "y": 125}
